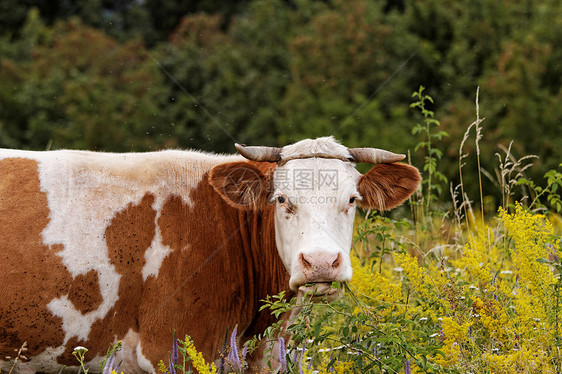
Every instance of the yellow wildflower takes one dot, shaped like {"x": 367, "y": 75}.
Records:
{"x": 197, "y": 359}
{"x": 530, "y": 234}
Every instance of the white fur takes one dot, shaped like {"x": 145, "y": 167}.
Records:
{"x": 323, "y": 218}
{"x": 324, "y": 145}
{"x": 155, "y": 254}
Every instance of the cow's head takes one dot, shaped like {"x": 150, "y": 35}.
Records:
{"x": 315, "y": 189}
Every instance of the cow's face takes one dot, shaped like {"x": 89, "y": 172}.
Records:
{"x": 314, "y": 189}
{"x": 315, "y": 201}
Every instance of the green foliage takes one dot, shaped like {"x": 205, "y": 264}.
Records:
{"x": 272, "y": 72}
{"x": 81, "y": 89}
{"x": 111, "y": 351}
{"x": 551, "y": 191}
{"x": 375, "y": 239}
{"x": 433, "y": 154}
{"x": 487, "y": 303}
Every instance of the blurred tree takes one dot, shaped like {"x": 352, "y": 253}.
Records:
{"x": 273, "y": 72}
{"x": 228, "y": 86}
{"x": 508, "y": 50}
{"x": 15, "y": 56}
{"x": 153, "y": 20}
{"x": 82, "y": 89}
{"x": 12, "y": 15}
{"x": 349, "y": 68}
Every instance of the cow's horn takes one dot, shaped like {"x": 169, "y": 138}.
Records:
{"x": 374, "y": 156}
{"x": 266, "y": 154}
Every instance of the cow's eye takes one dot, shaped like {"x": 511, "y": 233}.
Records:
{"x": 352, "y": 200}
{"x": 281, "y": 199}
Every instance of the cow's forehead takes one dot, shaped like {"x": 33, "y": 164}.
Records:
{"x": 325, "y": 145}
{"x": 313, "y": 175}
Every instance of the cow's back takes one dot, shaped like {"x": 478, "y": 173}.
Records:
{"x": 81, "y": 236}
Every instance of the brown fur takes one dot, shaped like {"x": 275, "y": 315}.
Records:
{"x": 85, "y": 293}
{"x": 386, "y": 186}
{"x": 32, "y": 274}
{"x": 224, "y": 261}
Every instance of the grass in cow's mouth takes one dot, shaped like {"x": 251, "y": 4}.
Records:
{"x": 320, "y": 289}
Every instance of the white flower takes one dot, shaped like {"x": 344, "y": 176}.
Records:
{"x": 79, "y": 348}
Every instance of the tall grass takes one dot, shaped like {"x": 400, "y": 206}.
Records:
{"x": 463, "y": 294}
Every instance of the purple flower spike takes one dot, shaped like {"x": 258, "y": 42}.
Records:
{"x": 244, "y": 352}
{"x": 233, "y": 357}
{"x": 175, "y": 355}
{"x": 407, "y": 369}
{"x": 301, "y": 359}
{"x": 282, "y": 355}
{"x": 109, "y": 364}
{"x": 172, "y": 368}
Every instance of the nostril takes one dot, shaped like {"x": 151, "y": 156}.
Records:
{"x": 307, "y": 262}
{"x": 337, "y": 261}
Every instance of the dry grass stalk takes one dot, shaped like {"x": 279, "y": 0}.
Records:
{"x": 19, "y": 356}
{"x": 476, "y": 125}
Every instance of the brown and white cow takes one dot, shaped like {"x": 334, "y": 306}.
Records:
{"x": 100, "y": 247}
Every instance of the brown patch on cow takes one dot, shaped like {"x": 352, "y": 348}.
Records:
{"x": 85, "y": 292}
{"x": 386, "y": 186}
{"x": 174, "y": 209}
{"x": 224, "y": 261}
{"x": 32, "y": 273}
{"x": 128, "y": 236}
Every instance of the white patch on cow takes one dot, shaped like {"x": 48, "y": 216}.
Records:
{"x": 74, "y": 322}
{"x": 85, "y": 190}
{"x": 326, "y": 145}
{"x": 143, "y": 362}
{"x": 155, "y": 254}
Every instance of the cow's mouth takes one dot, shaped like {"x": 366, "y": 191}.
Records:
{"x": 320, "y": 290}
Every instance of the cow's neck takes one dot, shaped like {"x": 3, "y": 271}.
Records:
{"x": 266, "y": 272}
{"x": 223, "y": 262}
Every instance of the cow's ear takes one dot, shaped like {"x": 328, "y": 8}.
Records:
{"x": 386, "y": 186}
{"x": 241, "y": 184}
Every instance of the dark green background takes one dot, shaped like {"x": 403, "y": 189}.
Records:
{"x": 145, "y": 75}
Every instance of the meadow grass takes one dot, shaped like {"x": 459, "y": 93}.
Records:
{"x": 445, "y": 291}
